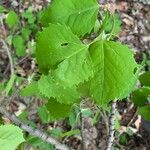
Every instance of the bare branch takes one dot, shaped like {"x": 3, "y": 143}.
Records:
{"x": 35, "y": 132}
{"x": 111, "y": 126}
{"x": 9, "y": 56}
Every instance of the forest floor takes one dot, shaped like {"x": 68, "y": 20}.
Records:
{"x": 135, "y": 32}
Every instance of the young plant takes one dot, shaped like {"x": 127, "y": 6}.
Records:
{"x": 71, "y": 68}
{"x": 105, "y": 69}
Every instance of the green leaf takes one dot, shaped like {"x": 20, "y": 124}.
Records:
{"x": 56, "y": 132}
{"x": 30, "y": 90}
{"x": 18, "y": 44}
{"x": 145, "y": 78}
{"x": 144, "y": 112}
{"x": 65, "y": 50}
{"x": 2, "y": 9}
{"x": 60, "y": 44}
{"x": 87, "y": 112}
{"x": 10, "y": 137}
{"x": 28, "y": 14}
{"x": 71, "y": 133}
{"x": 50, "y": 87}
{"x": 10, "y": 84}
{"x": 25, "y": 33}
{"x": 12, "y": 19}
{"x": 114, "y": 68}
{"x": 140, "y": 96}
{"x": 43, "y": 114}
{"x": 72, "y": 119}
{"x": 2, "y": 87}
{"x": 39, "y": 144}
{"x": 109, "y": 24}
{"x": 58, "y": 110}
{"x": 79, "y": 15}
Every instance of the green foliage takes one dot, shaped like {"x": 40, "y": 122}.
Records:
{"x": 10, "y": 137}
{"x": 25, "y": 33}
{"x": 28, "y": 14}
{"x": 44, "y": 114}
{"x": 10, "y": 84}
{"x": 71, "y": 133}
{"x": 79, "y": 15}
{"x": 140, "y": 96}
{"x": 39, "y": 144}
{"x": 144, "y": 112}
{"x": 145, "y": 78}
{"x": 112, "y": 79}
{"x": 12, "y": 19}
{"x": 2, "y": 9}
{"x": 50, "y": 87}
{"x": 30, "y": 90}
{"x": 57, "y": 110}
{"x": 109, "y": 24}
{"x": 18, "y": 44}
{"x": 64, "y": 49}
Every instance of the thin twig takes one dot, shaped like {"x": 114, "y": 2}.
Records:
{"x": 112, "y": 126}
{"x": 9, "y": 56}
{"x": 34, "y": 132}
{"x": 82, "y": 131}
{"x": 105, "y": 118}
{"x": 133, "y": 117}
{"x": 82, "y": 125}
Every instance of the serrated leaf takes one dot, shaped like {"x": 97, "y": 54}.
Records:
{"x": 65, "y": 50}
{"x": 79, "y": 15}
{"x": 139, "y": 96}
{"x": 54, "y": 44}
{"x": 144, "y": 112}
{"x": 75, "y": 69}
{"x": 50, "y": 87}
{"x": 58, "y": 110}
{"x": 145, "y": 78}
{"x": 10, "y": 137}
{"x": 12, "y": 19}
{"x": 114, "y": 68}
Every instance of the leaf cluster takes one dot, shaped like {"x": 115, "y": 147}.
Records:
{"x": 101, "y": 69}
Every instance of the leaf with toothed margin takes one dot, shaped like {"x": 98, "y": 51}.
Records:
{"x": 55, "y": 44}
{"x": 79, "y": 15}
{"x": 114, "y": 69}
{"x": 51, "y": 88}
{"x": 57, "y": 47}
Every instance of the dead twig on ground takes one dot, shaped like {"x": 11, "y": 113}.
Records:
{"x": 34, "y": 132}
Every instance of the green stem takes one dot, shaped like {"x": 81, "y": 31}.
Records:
{"x": 113, "y": 26}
